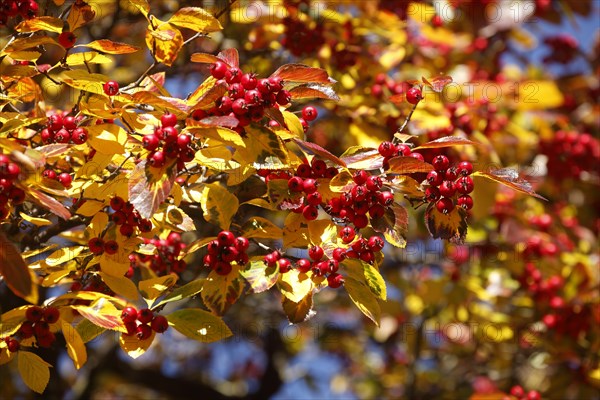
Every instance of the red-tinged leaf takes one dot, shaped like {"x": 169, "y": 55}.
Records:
{"x": 438, "y": 83}
{"x": 204, "y": 58}
{"x": 110, "y": 47}
{"x": 315, "y": 149}
{"x": 13, "y": 269}
{"x": 206, "y": 94}
{"x": 312, "y": 91}
{"x": 107, "y": 321}
{"x": 393, "y": 225}
{"x": 298, "y": 312}
{"x": 276, "y": 115}
{"x": 451, "y": 226}
{"x": 490, "y": 396}
{"x": 153, "y": 99}
{"x": 446, "y": 141}
{"x": 408, "y": 165}
{"x": 48, "y": 202}
{"x": 50, "y": 24}
{"x": 302, "y": 73}
{"x": 358, "y": 157}
{"x": 397, "y": 99}
{"x": 149, "y": 187}
{"x": 260, "y": 277}
{"x": 225, "y": 121}
{"x": 230, "y": 56}
{"x": 52, "y": 150}
{"x": 509, "y": 177}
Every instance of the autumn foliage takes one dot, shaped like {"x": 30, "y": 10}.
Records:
{"x": 161, "y": 167}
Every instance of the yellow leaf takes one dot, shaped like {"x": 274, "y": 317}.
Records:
{"x": 295, "y": 285}
{"x": 363, "y": 298}
{"x": 121, "y": 286}
{"x": 153, "y": 288}
{"x": 53, "y": 278}
{"x": 88, "y": 331}
{"x": 365, "y": 272}
{"x": 538, "y": 95}
{"x": 199, "y": 325}
{"x": 88, "y": 57}
{"x": 133, "y": 346}
{"x": 90, "y": 207}
{"x": 183, "y": 292}
{"x": 221, "y": 134}
{"x": 63, "y": 255}
{"x": 75, "y": 346}
{"x": 295, "y": 231}
{"x": 164, "y": 42}
{"x": 102, "y": 313}
{"x": 141, "y": 5}
{"x": 259, "y": 227}
{"x": 107, "y": 138}
{"x": 35, "y": 221}
{"x": 110, "y": 47}
{"x": 263, "y": 147}
{"x": 83, "y": 80}
{"x": 220, "y": 292}
{"x": 260, "y": 277}
{"x": 293, "y": 123}
{"x": 219, "y": 205}
{"x": 196, "y": 19}
{"x": 34, "y": 371}
{"x": 50, "y": 24}
{"x": 79, "y": 15}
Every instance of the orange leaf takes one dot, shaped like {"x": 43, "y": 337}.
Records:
{"x": 408, "y": 165}
{"x": 451, "y": 226}
{"x": 311, "y": 91}
{"x": 318, "y": 150}
{"x": 230, "y": 56}
{"x": 204, "y": 58}
{"x": 302, "y": 73}
{"x": 446, "y": 141}
{"x": 48, "y": 202}
{"x": 13, "y": 269}
{"x": 366, "y": 158}
{"x": 509, "y": 177}
{"x": 149, "y": 187}
{"x": 165, "y": 41}
{"x": 393, "y": 225}
{"x": 80, "y": 15}
{"x": 110, "y": 47}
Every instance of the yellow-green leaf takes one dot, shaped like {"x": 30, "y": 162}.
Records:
{"x": 295, "y": 285}
{"x": 220, "y": 292}
{"x": 260, "y": 277}
{"x": 219, "y": 205}
{"x": 75, "y": 346}
{"x": 121, "y": 286}
{"x": 34, "y": 371}
{"x": 362, "y": 296}
{"x": 133, "y": 346}
{"x": 199, "y": 325}
{"x": 196, "y": 19}
{"x": 365, "y": 272}
{"x": 153, "y": 288}
{"x": 183, "y": 292}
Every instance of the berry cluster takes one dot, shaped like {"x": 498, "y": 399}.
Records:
{"x": 37, "y": 324}
{"x": 11, "y": 8}
{"x": 320, "y": 267}
{"x": 275, "y": 259}
{"x": 142, "y": 322}
{"x": 570, "y": 153}
{"x": 563, "y": 48}
{"x": 300, "y": 38}
{"x": 363, "y": 249}
{"x": 224, "y": 250}
{"x": 388, "y": 150}
{"x": 364, "y": 197}
{"x": 445, "y": 182}
{"x": 166, "y": 143}
{"x": 64, "y": 177}
{"x": 165, "y": 260}
{"x": 9, "y": 172}
{"x": 305, "y": 181}
{"x": 247, "y": 97}
{"x": 518, "y": 392}
{"x": 127, "y": 217}
{"x": 99, "y": 246}
{"x": 63, "y": 129}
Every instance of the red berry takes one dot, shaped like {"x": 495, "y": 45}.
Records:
{"x": 249, "y": 81}
{"x": 276, "y": 83}
{"x": 447, "y": 189}
{"x": 241, "y": 244}
{"x": 283, "y": 97}
{"x": 432, "y": 194}
{"x": 335, "y": 280}
{"x": 111, "y": 247}
{"x": 339, "y": 254}
{"x": 51, "y": 315}
{"x": 143, "y": 331}
{"x": 444, "y": 205}
{"x": 117, "y": 203}
{"x": 374, "y": 183}
{"x": 316, "y": 253}
{"x": 69, "y": 123}
{"x": 129, "y": 314}
{"x": 309, "y": 186}
{"x": 314, "y": 199}
{"x": 418, "y": 156}
{"x": 403, "y": 149}
{"x": 157, "y": 159}
{"x": 309, "y": 113}
{"x": 310, "y": 213}
{"x": 385, "y": 198}
{"x": 79, "y": 135}
{"x": 111, "y": 88}
{"x": 318, "y": 167}
{"x": 159, "y": 324}
{"x": 347, "y": 234}
{"x": 222, "y": 268}
{"x": 145, "y": 315}
{"x": 168, "y": 119}
{"x": 517, "y": 391}
{"x": 13, "y": 345}
{"x": 34, "y": 313}
{"x": 284, "y": 265}
{"x": 414, "y": 95}
{"x": 26, "y": 330}
{"x": 233, "y": 75}
{"x": 150, "y": 142}
{"x": 218, "y": 70}
{"x": 65, "y": 179}
{"x": 96, "y": 245}
{"x": 304, "y": 124}
{"x": 440, "y": 163}
{"x": 533, "y": 395}
{"x": 62, "y": 136}
{"x": 304, "y": 171}
{"x": 360, "y": 177}
{"x": 465, "y": 168}
{"x": 49, "y": 174}
{"x": 229, "y": 254}
{"x": 387, "y": 149}
{"x": 226, "y": 238}
{"x": 465, "y": 201}
{"x": 303, "y": 265}
{"x": 67, "y": 39}
{"x": 376, "y": 211}
{"x": 465, "y": 185}
{"x": 17, "y": 196}
{"x": 296, "y": 184}
{"x": 375, "y": 243}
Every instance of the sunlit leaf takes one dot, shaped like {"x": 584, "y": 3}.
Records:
{"x": 258, "y": 227}
{"x": 164, "y": 42}
{"x": 220, "y": 292}
{"x": 408, "y": 165}
{"x": 110, "y": 47}
{"x": 80, "y": 14}
{"x": 295, "y": 285}
{"x": 393, "y": 225}
{"x": 365, "y": 158}
{"x": 362, "y": 296}
{"x": 34, "y": 371}
{"x": 445, "y": 141}
{"x": 188, "y": 290}
{"x": 313, "y": 91}
{"x": 44, "y": 23}
{"x": 301, "y": 73}
{"x": 297, "y": 312}
{"x": 75, "y": 345}
{"x": 509, "y": 177}
{"x": 260, "y": 277}
{"x": 48, "y": 202}
{"x": 451, "y": 226}
{"x": 133, "y": 346}
{"x": 120, "y": 285}
{"x": 199, "y": 325}
{"x": 219, "y": 205}
{"x": 314, "y": 148}
{"x": 196, "y": 19}
{"x": 149, "y": 187}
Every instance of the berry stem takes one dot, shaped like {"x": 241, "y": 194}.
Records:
{"x": 396, "y": 140}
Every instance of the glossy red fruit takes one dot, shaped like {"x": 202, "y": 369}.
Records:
{"x": 335, "y": 280}
{"x": 111, "y": 88}
{"x": 432, "y": 194}
{"x": 157, "y": 159}
{"x": 67, "y": 39}
{"x": 309, "y": 185}
{"x": 314, "y": 199}
{"x": 62, "y": 136}
{"x": 51, "y": 315}
{"x": 296, "y": 184}
{"x": 117, "y": 203}
{"x": 168, "y": 120}
{"x": 465, "y": 185}
{"x": 111, "y": 247}
{"x": 347, "y": 234}
{"x": 517, "y": 391}
{"x": 129, "y": 314}
{"x": 233, "y": 75}
{"x": 69, "y": 123}
{"x": 386, "y": 198}
{"x": 440, "y": 163}
{"x": 159, "y": 324}
{"x": 444, "y": 205}
{"x": 465, "y": 168}
{"x": 310, "y": 213}
{"x": 79, "y": 135}
{"x": 304, "y": 265}
{"x": 34, "y": 313}
{"x": 284, "y": 265}
{"x": 145, "y": 315}
{"x": 49, "y": 174}
{"x": 242, "y": 244}
{"x": 65, "y": 179}
{"x": 226, "y": 238}
{"x": 276, "y": 83}
{"x": 143, "y": 331}
{"x": 376, "y": 243}
{"x": 150, "y": 142}
{"x": 339, "y": 254}
{"x": 283, "y": 97}
{"x": 533, "y": 395}
{"x": 13, "y": 345}
{"x": 96, "y": 245}
{"x": 218, "y": 70}
{"x": 316, "y": 253}
{"x": 414, "y": 95}
{"x": 309, "y": 113}
{"x": 447, "y": 189}
{"x": 360, "y": 177}
{"x": 222, "y": 268}
{"x": 387, "y": 149}
{"x": 465, "y": 201}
